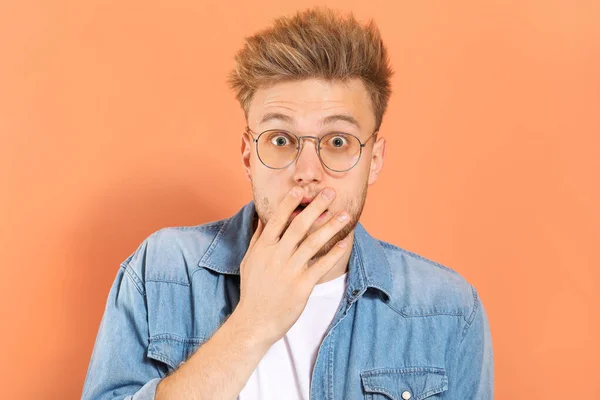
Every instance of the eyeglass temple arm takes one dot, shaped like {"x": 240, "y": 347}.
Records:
{"x": 370, "y": 137}
{"x": 249, "y": 132}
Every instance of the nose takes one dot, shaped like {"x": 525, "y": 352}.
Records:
{"x": 308, "y": 167}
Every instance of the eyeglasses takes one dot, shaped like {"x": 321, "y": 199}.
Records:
{"x": 277, "y": 148}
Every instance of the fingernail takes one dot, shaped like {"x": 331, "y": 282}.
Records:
{"x": 342, "y": 217}
{"x": 296, "y": 192}
{"x": 342, "y": 244}
{"x": 328, "y": 193}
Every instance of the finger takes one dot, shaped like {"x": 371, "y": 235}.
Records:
{"x": 315, "y": 272}
{"x": 316, "y": 240}
{"x": 303, "y": 221}
{"x": 279, "y": 219}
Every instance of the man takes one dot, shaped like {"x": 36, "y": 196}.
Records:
{"x": 291, "y": 298}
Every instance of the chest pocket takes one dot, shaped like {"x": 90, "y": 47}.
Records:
{"x": 172, "y": 351}
{"x": 414, "y": 383}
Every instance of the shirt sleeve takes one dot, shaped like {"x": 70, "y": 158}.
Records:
{"x": 472, "y": 376}
{"x": 119, "y": 367}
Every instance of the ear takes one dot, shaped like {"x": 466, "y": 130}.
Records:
{"x": 377, "y": 157}
{"x": 247, "y": 146}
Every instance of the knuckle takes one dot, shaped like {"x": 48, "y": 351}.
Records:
{"x": 299, "y": 225}
{"x": 313, "y": 241}
{"x": 304, "y": 224}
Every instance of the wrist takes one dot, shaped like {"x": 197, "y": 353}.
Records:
{"x": 246, "y": 329}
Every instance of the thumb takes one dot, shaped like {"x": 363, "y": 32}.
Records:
{"x": 255, "y": 236}
{"x": 259, "y": 228}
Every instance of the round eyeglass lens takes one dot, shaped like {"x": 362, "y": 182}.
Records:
{"x": 340, "y": 151}
{"x": 277, "y": 149}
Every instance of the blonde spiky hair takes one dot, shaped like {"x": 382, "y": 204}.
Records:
{"x": 316, "y": 43}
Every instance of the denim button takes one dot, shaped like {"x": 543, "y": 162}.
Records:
{"x": 406, "y": 395}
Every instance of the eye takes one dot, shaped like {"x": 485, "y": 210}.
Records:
{"x": 337, "y": 141}
{"x": 280, "y": 139}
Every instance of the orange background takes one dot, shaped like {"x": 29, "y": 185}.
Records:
{"x": 116, "y": 120}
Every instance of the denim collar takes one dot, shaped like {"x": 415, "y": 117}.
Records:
{"x": 368, "y": 265}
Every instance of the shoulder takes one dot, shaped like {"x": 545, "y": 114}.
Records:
{"x": 423, "y": 287}
{"x": 171, "y": 254}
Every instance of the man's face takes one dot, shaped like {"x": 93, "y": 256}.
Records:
{"x": 303, "y": 107}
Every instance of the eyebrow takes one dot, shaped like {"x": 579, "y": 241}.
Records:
{"x": 327, "y": 120}
{"x": 273, "y": 115}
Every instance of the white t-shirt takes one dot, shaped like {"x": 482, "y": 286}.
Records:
{"x": 286, "y": 369}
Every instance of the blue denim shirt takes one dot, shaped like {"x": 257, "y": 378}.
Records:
{"x": 405, "y": 324}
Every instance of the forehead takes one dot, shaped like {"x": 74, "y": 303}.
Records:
{"x": 311, "y": 101}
